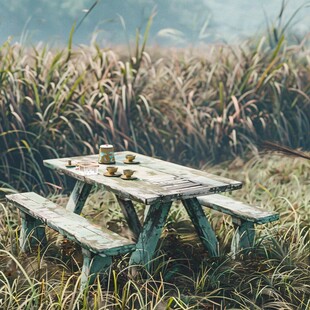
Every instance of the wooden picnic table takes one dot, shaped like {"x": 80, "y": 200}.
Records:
{"x": 158, "y": 184}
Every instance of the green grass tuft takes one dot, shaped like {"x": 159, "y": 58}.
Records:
{"x": 274, "y": 275}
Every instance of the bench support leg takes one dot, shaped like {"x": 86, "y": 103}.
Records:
{"x": 148, "y": 238}
{"x": 244, "y": 236}
{"x": 78, "y": 197}
{"x": 32, "y": 233}
{"x": 77, "y": 200}
{"x": 131, "y": 216}
{"x": 93, "y": 264}
{"x": 202, "y": 225}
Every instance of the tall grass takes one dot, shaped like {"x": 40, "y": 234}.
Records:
{"x": 184, "y": 106}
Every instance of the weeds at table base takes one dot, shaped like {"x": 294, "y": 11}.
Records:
{"x": 275, "y": 274}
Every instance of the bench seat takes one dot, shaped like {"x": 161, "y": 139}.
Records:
{"x": 244, "y": 217}
{"x": 98, "y": 244}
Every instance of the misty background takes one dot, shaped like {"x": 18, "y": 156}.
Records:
{"x": 177, "y": 22}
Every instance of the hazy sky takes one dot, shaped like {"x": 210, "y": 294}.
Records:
{"x": 177, "y": 21}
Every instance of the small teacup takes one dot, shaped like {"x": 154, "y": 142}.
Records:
{"x": 130, "y": 157}
{"x": 128, "y": 173}
{"x": 111, "y": 170}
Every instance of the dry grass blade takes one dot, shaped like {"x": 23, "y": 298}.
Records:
{"x": 187, "y": 107}
{"x": 275, "y": 147}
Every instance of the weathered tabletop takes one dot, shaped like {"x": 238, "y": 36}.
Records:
{"x": 157, "y": 180}
{"x": 158, "y": 183}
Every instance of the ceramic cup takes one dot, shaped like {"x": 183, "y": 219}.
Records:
{"x": 111, "y": 170}
{"x": 130, "y": 157}
{"x": 128, "y": 173}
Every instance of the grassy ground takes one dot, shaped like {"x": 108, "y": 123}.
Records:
{"x": 275, "y": 275}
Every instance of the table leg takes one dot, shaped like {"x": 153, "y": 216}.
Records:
{"x": 131, "y": 216}
{"x": 32, "y": 232}
{"x": 244, "y": 236}
{"x": 150, "y": 234}
{"x": 78, "y": 197}
{"x": 146, "y": 211}
{"x": 202, "y": 225}
{"x": 93, "y": 264}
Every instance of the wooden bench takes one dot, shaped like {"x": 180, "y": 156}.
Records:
{"x": 98, "y": 244}
{"x": 243, "y": 216}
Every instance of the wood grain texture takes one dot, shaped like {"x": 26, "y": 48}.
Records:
{"x": 148, "y": 238}
{"x": 238, "y": 209}
{"x": 158, "y": 180}
{"x": 131, "y": 216}
{"x": 78, "y": 197}
{"x": 31, "y": 233}
{"x": 93, "y": 265}
{"x": 72, "y": 226}
{"x": 202, "y": 226}
{"x": 244, "y": 237}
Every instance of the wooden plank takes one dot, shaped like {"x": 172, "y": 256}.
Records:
{"x": 72, "y": 226}
{"x": 238, "y": 209}
{"x": 32, "y": 233}
{"x": 243, "y": 238}
{"x": 153, "y": 175}
{"x": 131, "y": 216}
{"x": 78, "y": 197}
{"x": 183, "y": 185}
{"x": 202, "y": 226}
{"x": 92, "y": 266}
{"x": 134, "y": 190}
{"x": 148, "y": 239}
{"x": 188, "y": 190}
{"x": 182, "y": 171}
{"x": 171, "y": 182}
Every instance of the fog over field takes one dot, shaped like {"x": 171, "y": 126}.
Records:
{"x": 177, "y": 22}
